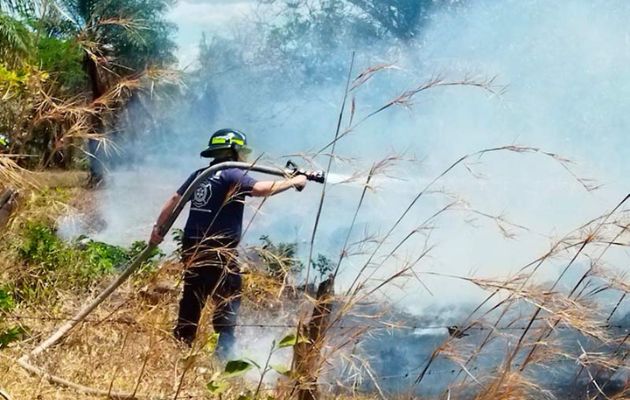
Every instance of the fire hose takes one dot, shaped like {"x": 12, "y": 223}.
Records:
{"x": 291, "y": 170}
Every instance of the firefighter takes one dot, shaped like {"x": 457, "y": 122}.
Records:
{"x": 211, "y": 234}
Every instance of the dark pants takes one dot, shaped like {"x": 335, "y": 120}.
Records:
{"x": 210, "y": 272}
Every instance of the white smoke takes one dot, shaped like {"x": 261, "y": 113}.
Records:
{"x": 564, "y": 65}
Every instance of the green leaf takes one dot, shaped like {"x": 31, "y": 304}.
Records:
{"x": 291, "y": 340}
{"x": 236, "y": 368}
{"x": 281, "y": 369}
{"x": 6, "y": 300}
{"x": 217, "y": 386}
{"x": 288, "y": 341}
{"x": 212, "y": 343}
{"x": 254, "y": 363}
{"x": 11, "y": 335}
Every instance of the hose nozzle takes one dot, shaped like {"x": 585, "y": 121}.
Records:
{"x": 315, "y": 176}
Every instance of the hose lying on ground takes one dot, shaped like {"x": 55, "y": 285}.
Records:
{"x": 131, "y": 267}
{"x": 4, "y": 395}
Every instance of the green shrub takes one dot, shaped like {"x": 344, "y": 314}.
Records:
{"x": 279, "y": 258}
{"x": 12, "y": 334}
{"x": 64, "y": 60}
{"x": 139, "y": 245}
{"x": 51, "y": 262}
{"x": 103, "y": 258}
{"x": 8, "y": 333}
{"x": 323, "y": 266}
{"x": 178, "y": 237}
{"x": 6, "y": 300}
{"x": 41, "y": 246}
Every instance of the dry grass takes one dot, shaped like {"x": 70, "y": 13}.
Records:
{"x": 12, "y": 175}
{"x": 126, "y": 344}
{"x": 59, "y": 179}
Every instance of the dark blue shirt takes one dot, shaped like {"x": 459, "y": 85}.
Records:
{"x": 216, "y": 209}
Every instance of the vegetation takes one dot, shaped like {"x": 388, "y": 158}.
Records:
{"x": 69, "y": 72}
{"x": 8, "y": 333}
{"x": 40, "y": 265}
{"x": 279, "y": 259}
{"x": 327, "y": 27}
{"x": 52, "y": 262}
{"x": 59, "y": 274}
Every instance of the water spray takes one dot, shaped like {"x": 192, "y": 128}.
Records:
{"x": 290, "y": 170}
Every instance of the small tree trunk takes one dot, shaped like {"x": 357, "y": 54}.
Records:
{"x": 7, "y": 201}
{"x": 307, "y": 354}
{"x": 96, "y": 163}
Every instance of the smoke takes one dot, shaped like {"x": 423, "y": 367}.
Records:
{"x": 564, "y": 66}
{"x": 256, "y": 345}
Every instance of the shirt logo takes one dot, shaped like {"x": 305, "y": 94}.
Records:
{"x": 202, "y": 195}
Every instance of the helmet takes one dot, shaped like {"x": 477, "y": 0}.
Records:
{"x": 226, "y": 139}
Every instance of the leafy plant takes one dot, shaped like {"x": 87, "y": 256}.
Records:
{"x": 14, "y": 333}
{"x": 217, "y": 386}
{"x": 41, "y": 246}
{"x": 22, "y": 89}
{"x": 6, "y": 300}
{"x": 11, "y": 335}
{"x": 291, "y": 340}
{"x": 151, "y": 262}
{"x": 279, "y": 258}
{"x": 212, "y": 343}
{"x": 77, "y": 265}
{"x": 63, "y": 59}
{"x": 235, "y": 368}
{"x": 323, "y": 265}
{"x": 16, "y": 41}
{"x": 105, "y": 257}
{"x": 178, "y": 237}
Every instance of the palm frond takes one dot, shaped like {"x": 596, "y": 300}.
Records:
{"x": 15, "y": 39}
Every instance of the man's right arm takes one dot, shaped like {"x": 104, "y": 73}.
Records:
{"x": 167, "y": 209}
{"x": 269, "y": 188}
